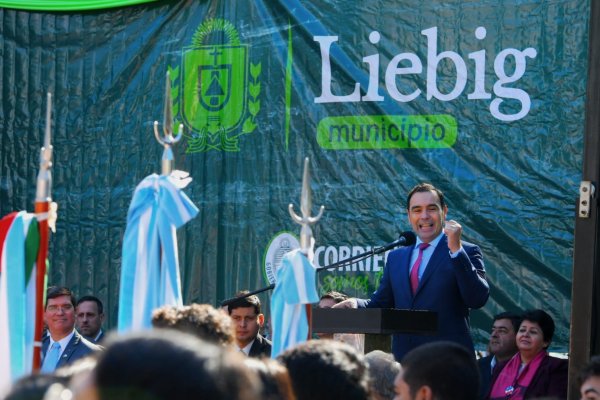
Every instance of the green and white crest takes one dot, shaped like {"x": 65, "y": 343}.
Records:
{"x": 216, "y": 89}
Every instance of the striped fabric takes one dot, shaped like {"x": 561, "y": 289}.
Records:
{"x": 150, "y": 264}
{"x": 295, "y": 287}
{"x": 19, "y": 244}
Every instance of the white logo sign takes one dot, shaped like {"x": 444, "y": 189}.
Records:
{"x": 282, "y": 243}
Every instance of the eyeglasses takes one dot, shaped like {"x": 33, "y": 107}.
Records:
{"x": 64, "y": 308}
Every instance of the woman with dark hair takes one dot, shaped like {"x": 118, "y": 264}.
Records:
{"x": 532, "y": 372}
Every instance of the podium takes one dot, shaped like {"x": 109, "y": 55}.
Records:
{"x": 374, "y": 321}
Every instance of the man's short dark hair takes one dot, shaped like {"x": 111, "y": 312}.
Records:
{"x": 515, "y": 319}
{"x": 425, "y": 187}
{"x": 245, "y": 301}
{"x": 201, "y": 320}
{"x": 335, "y": 296}
{"x": 95, "y": 300}
{"x": 592, "y": 368}
{"x": 327, "y": 370}
{"x": 163, "y": 365}
{"x": 56, "y": 291}
{"x": 448, "y": 368}
{"x": 544, "y": 320}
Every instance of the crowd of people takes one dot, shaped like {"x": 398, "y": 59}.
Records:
{"x": 201, "y": 352}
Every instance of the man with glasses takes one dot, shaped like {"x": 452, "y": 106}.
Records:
{"x": 63, "y": 345}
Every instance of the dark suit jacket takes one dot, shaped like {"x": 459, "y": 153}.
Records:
{"x": 100, "y": 338}
{"x": 78, "y": 347}
{"x": 485, "y": 373}
{"x": 260, "y": 348}
{"x": 550, "y": 380}
{"x": 449, "y": 286}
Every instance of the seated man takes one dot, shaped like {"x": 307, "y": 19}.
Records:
{"x": 502, "y": 346}
{"x": 63, "y": 345}
{"x": 248, "y": 319}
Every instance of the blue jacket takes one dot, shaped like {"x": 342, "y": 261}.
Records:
{"x": 449, "y": 286}
{"x": 78, "y": 347}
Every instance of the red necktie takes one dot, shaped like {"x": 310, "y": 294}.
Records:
{"x": 414, "y": 273}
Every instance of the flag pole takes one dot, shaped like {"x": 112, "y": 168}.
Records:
{"x": 43, "y": 198}
{"x": 306, "y": 236}
{"x": 168, "y": 140}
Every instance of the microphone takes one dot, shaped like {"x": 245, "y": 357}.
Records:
{"x": 407, "y": 238}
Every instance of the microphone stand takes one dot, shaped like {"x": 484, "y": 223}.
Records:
{"x": 342, "y": 263}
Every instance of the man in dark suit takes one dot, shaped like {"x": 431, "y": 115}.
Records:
{"x": 248, "y": 319}
{"x": 440, "y": 273}
{"x": 63, "y": 345}
{"x": 90, "y": 316}
{"x": 502, "y": 346}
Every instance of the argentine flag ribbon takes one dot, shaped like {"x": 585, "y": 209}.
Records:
{"x": 150, "y": 264}
{"x": 295, "y": 287}
{"x": 19, "y": 244}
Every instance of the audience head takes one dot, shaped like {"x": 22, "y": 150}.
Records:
{"x": 59, "y": 313}
{"x": 438, "y": 370}
{"x": 245, "y": 311}
{"x": 327, "y": 370}
{"x": 276, "y": 383}
{"x": 34, "y": 386}
{"x": 89, "y": 316}
{"x": 383, "y": 369}
{"x": 503, "y": 343}
{"x": 162, "y": 364}
{"x": 535, "y": 333}
{"x": 81, "y": 378}
{"x": 589, "y": 380}
{"x": 201, "y": 320}
{"x": 328, "y": 299}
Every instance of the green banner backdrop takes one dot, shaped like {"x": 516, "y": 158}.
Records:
{"x": 483, "y": 99}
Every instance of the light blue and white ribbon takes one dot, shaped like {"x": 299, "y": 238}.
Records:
{"x": 295, "y": 287}
{"x": 150, "y": 264}
{"x": 17, "y": 297}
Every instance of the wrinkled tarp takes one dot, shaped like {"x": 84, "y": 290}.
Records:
{"x": 268, "y": 79}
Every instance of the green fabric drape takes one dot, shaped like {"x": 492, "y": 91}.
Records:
{"x": 68, "y": 5}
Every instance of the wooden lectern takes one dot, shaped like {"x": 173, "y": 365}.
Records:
{"x": 376, "y": 323}
{"x": 373, "y": 320}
